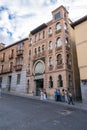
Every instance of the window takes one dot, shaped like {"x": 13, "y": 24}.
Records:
{"x": 19, "y": 61}
{"x": 65, "y": 26}
{"x": 67, "y": 42}
{"x": 50, "y": 30}
{"x": 68, "y": 59}
{"x": 35, "y": 38}
{"x": 28, "y": 69}
{"x": 30, "y": 40}
{"x": 43, "y": 34}
{"x": 11, "y": 66}
{"x": 39, "y": 68}
{"x": 59, "y": 59}
{"x": 57, "y": 16}
{"x": 58, "y": 42}
{"x": 50, "y": 45}
{"x": 50, "y": 82}
{"x": 50, "y": 61}
{"x": 38, "y": 49}
{"x": 60, "y": 82}
{"x": 58, "y": 26}
{"x": 18, "y": 78}
{"x": 12, "y": 52}
{"x": 69, "y": 81}
{"x": 20, "y": 46}
{"x": 28, "y": 86}
{"x": 35, "y": 50}
{"x": 65, "y": 15}
{"x": 40, "y": 36}
{"x": 42, "y": 47}
{"x": 3, "y": 57}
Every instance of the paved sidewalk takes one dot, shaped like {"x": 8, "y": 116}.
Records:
{"x": 77, "y": 105}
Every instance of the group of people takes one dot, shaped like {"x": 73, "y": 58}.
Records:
{"x": 64, "y": 96}
{"x": 43, "y": 95}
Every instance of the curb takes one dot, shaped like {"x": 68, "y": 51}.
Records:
{"x": 79, "y": 106}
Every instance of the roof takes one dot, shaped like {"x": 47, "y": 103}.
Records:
{"x": 60, "y": 8}
{"x": 39, "y": 28}
{"x": 79, "y": 21}
{"x": 14, "y": 44}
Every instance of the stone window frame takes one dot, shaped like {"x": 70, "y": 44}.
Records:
{"x": 58, "y": 42}
{"x": 59, "y": 59}
{"x": 68, "y": 56}
{"x": 50, "y": 82}
{"x": 50, "y": 45}
{"x": 60, "y": 81}
{"x": 58, "y": 26}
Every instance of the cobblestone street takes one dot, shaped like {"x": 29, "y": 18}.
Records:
{"x": 20, "y": 113}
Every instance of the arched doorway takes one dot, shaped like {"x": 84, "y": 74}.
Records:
{"x": 38, "y": 76}
{"x": 39, "y": 86}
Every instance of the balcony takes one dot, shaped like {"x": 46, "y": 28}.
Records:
{"x": 39, "y": 55}
{"x": 11, "y": 56}
{"x": 58, "y": 48}
{"x": 58, "y": 31}
{"x": 19, "y": 52}
{"x": 59, "y": 66}
{"x": 6, "y": 70}
{"x": 50, "y": 67}
{"x": 18, "y": 67}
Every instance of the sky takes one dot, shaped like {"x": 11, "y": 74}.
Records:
{"x": 19, "y": 17}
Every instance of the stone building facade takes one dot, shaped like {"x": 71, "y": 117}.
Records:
{"x": 48, "y": 59}
{"x": 51, "y": 57}
{"x": 13, "y": 64}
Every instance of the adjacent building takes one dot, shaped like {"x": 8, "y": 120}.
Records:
{"x": 80, "y": 31}
{"x": 13, "y": 64}
{"x": 46, "y": 60}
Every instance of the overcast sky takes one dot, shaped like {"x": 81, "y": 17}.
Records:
{"x": 19, "y": 17}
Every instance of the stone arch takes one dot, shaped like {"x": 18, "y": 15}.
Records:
{"x": 39, "y": 67}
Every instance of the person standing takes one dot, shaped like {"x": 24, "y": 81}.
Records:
{"x": 58, "y": 95}
{"x": 63, "y": 96}
{"x": 66, "y": 96}
{"x": 45, "y": 95}
{"x": 41, "y": 95}
{"x": 70, "y": 98}
{"x": 55, "y": 94}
